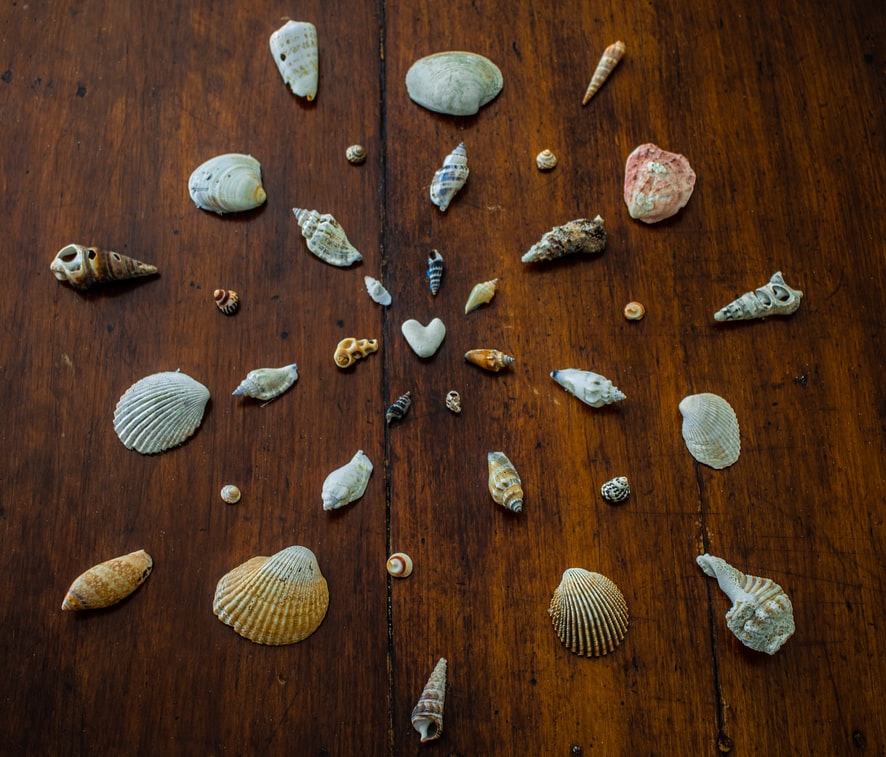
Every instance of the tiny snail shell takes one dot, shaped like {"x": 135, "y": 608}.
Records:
{"x": 545, "y": 160}
{"x": 399, "y": 565}
{"x": 227, "y": 300}
{"x": 356, "y": 154}
{"x": 634, "y": 311}
{"x": 230, "y": 494}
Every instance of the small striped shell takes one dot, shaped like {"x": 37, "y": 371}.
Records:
{"x": 377, "y": 292}
{"x": 294, "y": 49}
{"x": 326, "y": 238}
{"x": 773, "y": 298}
{"x": 504, "y": 483}
{"x": 107, "y": 583}
{"x": 610, "y": 58}
{"x": 589, "y": 613}
{"x": 350, "y": 350}
{"x": 710, "y": 430}
{"x": 160, "y": 412}
{"x": 228, "y": 183}
{"x": 481, "y": 294}
{"x": 399, "y": 565}
{"x": 489, "y": 359}
{"x": 398, "y": 410}
{"x": 616, "y": 490}
{"x": 435, "y": 271}
{"x": 449, "y": 179}
{"x": 267, "y": 383}
{"x": 427, "y": 715}
{"x": 356, "y": 154}
{"x": 83, "y": 266}
{"x": 591, "y": 388}
{"x": 546, "y": 160}
{"x": 348, "y": 483}
{"x": 226, "y": 300}
{"x": 580, "y": 235}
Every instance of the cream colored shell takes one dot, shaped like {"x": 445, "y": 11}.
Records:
{"x": 427, "y": 715}
{"x": 481, "y": 294}
{"x": 229, "y": 183}
{"x": 107, "y": 583}
{"x": 710, "y": 430}
{"x": 454, "y": 82}
{"x": 589, "y": 613}
{"x": 326, "y": 238}
{"x": 608, "y": 61}
{"x": 591, "y": 388}
{"x": 348, "y": 483}
{"x": 504, "y": 483}
{"x": 267, "y": 383}
{"x": 294, "y": 49}
{"x": 546, "y": 160}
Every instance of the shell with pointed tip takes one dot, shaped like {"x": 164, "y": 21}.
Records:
{"x": 398, "y": 410}
{"x": 160, "y": 412}
{"x": 657, "y": 184}
{"x": 761, "y": 616}
{"x": 546, "y": 160}
{"x": 427, "y": 715}
{"x": 83, "y": 266}
{"x": 377, "y": 292}
{"x": 589, "y": 613}
{"x": 399, "y": 565}
{"x": 228, "y": 183}
{"x": 456, "y": 83}
{"x": 710, "y": 429}
{"x": 326, "y": 238}
{"x": 274, "y": 600}
{"x": 611, "y": 56}
{"x": 591, "y": 388}
{"x": 774, "y": 298}
{"x": 449, "y": 179}
{"x": 350, "y": 350}
{"x": 504, "y": 482}
{"x": 616, "y": 490}
{"x": 435, "y": 271}
{"x": 107, "y": 583}
{"x": 489, "y": 359}
{"x": 481, "y": 294}
{"x": 453, "y": 401}
{"x": 294, "y": 49}
{"x": 580, "y": 235}
{"x": 267, "y": 383}
{"x": 226, "y": 300}
{"x": 356, "y": 154}
{"x": 347, "y": 484}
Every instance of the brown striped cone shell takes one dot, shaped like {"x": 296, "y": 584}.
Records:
{"x": 107, "y": 583}
{"x": 609, "y": 60}
{"x": 435, "y": 271}
{"x": 454, "y": 82}
{"x": 481, "y": 294}
{"x": 350, "y": 350}
{"x": 294, "y": 49}
{"x": 657, "y": 183}
{"x": 591, "y": 388}
{"x": 399, "y": 565}
{"x": 761, "y": 616}
{"x": 449, "y": 179}
{"x": 83, "y": 266}
{"x": 226, "y": 300}
{"x": 616, "y": 490}
{"x": 489, "y": 359}
{"x": 773, "y": 298}
{"x": 267, "y": 383}
{"x": 274, "y": 600}
{"x": 397, "y": 411}
{"x": 347, "y": 483}
{"x": 504, "y": 483}
{"x": 229, "y": 183}
{"x": 581, "y": 235}
{"x": 326, "y": 238}
{"x": 589, "y": 613}
{"x": 710, "y": 430}
{"x": 427, "y": 715}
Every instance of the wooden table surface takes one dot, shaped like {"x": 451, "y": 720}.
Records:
{"x": 107, "y": 107}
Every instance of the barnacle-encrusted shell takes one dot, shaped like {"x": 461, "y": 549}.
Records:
{"x": 589, "y": 613}
{"x": 399, "y": 409}
{"x": 267, "y": 383}
{"x": 326, "y": 238}
{"x": 377, "y": 292}
{"x": 761, "y": 615}
{"x": 83, "y": 266}
{"x": 489, "y": 359}
{"x": 274, "y": 600}
{"x": 435, "y": 271}
{"x": 546, "y": 160}
{"x": 107, "y": 583}
{"x": 424, "y": 340}
{"x": 346, "y": 484}
{"x": 774, "y": 298}
{"x": 160, "y": 411}
{"x": 227, "y": 300}
{"x": 427, "y": 716}
{"x": 450, "y": 178}
{"x": 399, "y": 565}
{"x": 453, "y": 401}
{"x": 230, "y": 494}
{"x": 710, "y": 429}
{"x": 481, "y": 294}
{"x": 456, "y": 83}
{"x": 356, "y": 154}
{"x": 658, "y": 183}
{"x": 294, "y": 49}
{"x": 580, "y": 235}
{"x": 350, "y": 350}
{"x": 611, "y": 56}
{"x": 591, "y": 388}
{"x": 616, "y": 490}
{"x": 504, "y": 483}
{"x": 227, "y": 183}
{"x": 634, "y": 311}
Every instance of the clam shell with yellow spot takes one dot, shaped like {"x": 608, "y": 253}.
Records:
{"x": 589, "y": 613}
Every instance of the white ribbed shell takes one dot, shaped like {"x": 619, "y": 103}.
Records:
{"x": 710, "y": 429}
{"x": 326, "y": 238}
{"x": 227, "y": 183}
{"x": 591, "y": 388}
{"x": 589, "y": 613}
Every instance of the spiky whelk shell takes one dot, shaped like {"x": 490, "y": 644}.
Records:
{"x": 427, "y": 715}
{"x": 294, "y": 49}
{"x": 710, "y": 429}
{"x": 773, "y": 298}
{"x": 450, "y": 178}
{"x": 589, "y": 613}
{"x": 591, "y": 388}
{"x": 326, "y": 238}
{"x": 229, "y": 183}
{"x": 107, "y": 583}
{"x": 608, "y": 61}
{"x": 348, "y": 483}
{"x": 267, "y": 383}
{"x": 580, "y": 235}
{"x": 504, "y": 483}
{"x": 83, "y": 266}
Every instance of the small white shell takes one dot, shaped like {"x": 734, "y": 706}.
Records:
{"x": 294, "y": 49}
{"x": 616, "y": 490}
{"x": 453, "y": 401}
{"x": 228, "y": 183}
{"x": 456, "y": 83}
{"x": 346, "y": 484}
{"x": 326, "y": 238}
{"x": 399, "y": 565}
{"x": 377, "y": 292}
{"x": 546, "y": 160}
{"x": 591, "y": 388}
{"x": 356, "y": 154}
{"x": 481, "y": 294}
{"x": 589, "y": 613}
{"x": 230, "y": 494}
{"x": 774, "y": 298}
{"x": 635, "y": 311}
{"x": 450, "y": 178}
{"x": 710, "y": 430}
{"x": 427, "y": 716}
{"x": 267, "y": 383}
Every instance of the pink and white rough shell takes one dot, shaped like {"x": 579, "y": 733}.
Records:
{"x": 658, "y": 183}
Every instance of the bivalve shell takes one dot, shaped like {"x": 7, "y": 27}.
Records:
{"x": 450, "y": 178}
{"x": 589, "y": 613}
{"x": 657, "y": 184}
{"x": 427, "y": 715}
{"x": 326, "y": 238}
{"x": 710, "y": 430}
{"x": 774, "y": 298}
{"x": 107, "y": 583}
{"x": 348, "y": 483}
{"x": 504, "y": 483}
{"x": 580, "y": 235}
{"x": 267, "y": 383}
{"x": 83, "y": 266}
{"x": 616, "y": 490}
{"x": 294, "y": 49}
{"x": 455, "y": 82}
{"x": 591, "y": 388}
{"x": 229, "y": 183}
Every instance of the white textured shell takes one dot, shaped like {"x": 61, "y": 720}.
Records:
{"x": 450, "y": 178}
{"x": 591, "y": 388}
{"x": 546, "y": 160}
{"x": 774, "y": 298}
{"x": 589, "y": 613}
{"x": 377, "y": 292}
{"x": 228, "y": 183}
{"x": 455, "y": 83}
{"x": 267, "y": 383}
{"x": 326, "y": 238}
{"x": 294, "y": 49}
{"x": 710, "y": 429}
{"x": 160, "y": 412}
{"x": 346, "y": 484}
{"x": 581, "y": 235}
{"x": 427, "y": 715}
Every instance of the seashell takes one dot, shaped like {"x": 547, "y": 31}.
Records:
{"x": 356, "y": 154}
{"x": 591, "y": 388}
{"x": 399, "y": 565}
{"x": 611, "y": 56}
{"x": 107, "y": 583}
{"x": 350, "y": 350}
{"x": 489, "y": 359}
{"x": 634, "y": 311}
{"x": 435, "y": 271}
{"x": 504, "y": 483}
{"x": 710, "y": 430}
{"x": 326, "y": 238}
{"x": 657, "y": 183}
{"x": 227, "y": 300}
{"x": 427, "y": 716}
{"x": 589, "y": 613}
{"x": 378, "y": 293}
{"x": 761, "y": 615}
{"x": 347, "y": 484}
{"x": 267, "y": 383}
{"x": 228, "y": 183}
{"x": 616, "y": 490}
{"x": 455, "y": 83}
{"x": 453, "y": 401}
{"x": 424, "y": 340}
{"x": 83, "y": 266}
{"x": 581, "y": 235}
{"x": 450, "y": 178}
{"x": 398, "y": 410}
{"x": 230, "y": 494}
{"x": 774, "y": 298}
{"x": 481, "y": 294}
{"x": 294, "y": 49}
{"x": 546, "y": 160}
{"x": 160, "y": 412}
{"x": 274, "y": 600}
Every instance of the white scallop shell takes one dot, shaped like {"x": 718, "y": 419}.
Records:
{"x": 450, "y": 178}
{"x": 378, "y": 293}
{"x": 589, "y": 613}
{"x": 773, "y": 298}
{"x": 227, "y": 183}
{"x": 160, "y": 412}
{"x": 346, "y": 484}
{"x": 294, "y": 49}
{"x": 456, "y": 83}
{"x": 326, "y": 238}
{"x": 591, "y": 388}
{"x": 710, "y": 429}
{"x": 267, "y": 383}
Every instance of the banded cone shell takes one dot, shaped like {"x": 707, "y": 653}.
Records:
{"x": 455, "y": 82}
{"x": 489, "y": 359}
{"x": 326, "y": 238}
{"x": 398, "y": 410}
{"x": 449, "y": 179}
{"x": 267, "y": 383}
{"x": 83, "y": 266}
{"x": 481, "y": 294}
{"x": 427, "y": 715}
{"x": 591, "y": 388}
{"x": 611, "y": 56}
{"x": 348, "y": 483}
{"x": 504, "y": 483}
{"x": 774, "y": 298}
{"x": 107, "y": 583}
{"x": 229, "y": 183}
{"x": 589, "y": 613}
{"x": 226, "y": 300}
{"x": 580, "y": 235}
{"x": 294, "y": 49}
{"x": 377, "y": 292}
{"x": 350, "y": 350}
{"x": 274, "y": 600}
{"x": 710, "y": 430}
{"x": 435, "y": 271}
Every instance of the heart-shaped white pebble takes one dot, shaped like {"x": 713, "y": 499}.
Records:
{"x": 424, "y": 340}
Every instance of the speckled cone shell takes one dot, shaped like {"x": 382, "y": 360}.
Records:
{"x": 589, "y": 613}
{"x": 504, "y": 482}
{"x": 427, "y": 715}
{"x": 348, "y": 483}
{"x": 450, "y": 178}
{"x": 591, "y": 388}
{"x": 761, "y": 616}
{"x": 580, "y": 235}
{"x": 83, "y": 266}
{"x": 326, "y": 238}
{"x": 107, "y": 583}
{"x": 267, "y": 383}
{"x": 657, "y": 184}
{"x": 608, "y": 61}
{"x": 229, "y": 183}
{"x": 710, "y": 430}
{"x": 160, "y": 412}
{"x": 774, "y": 298}
{"x": 294, "y": 49}
{"x": 274, "y": 600}
{"x": 456, "y": 83}
{"x": 481, "y": 294}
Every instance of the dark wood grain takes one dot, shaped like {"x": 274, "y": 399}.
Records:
{"x": 105, "y": 110}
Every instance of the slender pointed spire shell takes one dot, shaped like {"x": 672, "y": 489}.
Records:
{"x": 83, "y": 266}
{"x": 427, "y": 716}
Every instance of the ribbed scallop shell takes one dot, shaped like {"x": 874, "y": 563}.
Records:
{"x": 591, "y": 388}
{"x": 504, "y": 483}
{"x": 489, "y": 359}
{"x": 107, "y": 583}
{"x": 294, "y": 49}
{"x": 608, "y": 61}
{"x": 226, "y": 300}
{"x": 773, "y": 298}
{"x": 274, "y": 600}
{"x": 580, "y": 235}
{"x": 589, "y": 613}
{"x": 427, "y": 715}
{"x": 435, "y": 271}
{"x": 267, "y": 383}
{"x": 377, "y": 292}
{"x": 227, "y": 183}
{"x": 449, "y": 179}
{"x": 160, "y": 412}
{"x": 348, "y": 483}
{"x": 83, "y": 266}
{"x": 455, "y": 82}
{"x": 398, "y": 410}
{"x": 326, "y": 238}
{"x": 710, "y": 430}
{"x": 350, "y": 350}
{"x": 481, "y": 294}
{"x": 616, "y": 490}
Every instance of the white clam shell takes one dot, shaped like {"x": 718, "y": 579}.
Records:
{"x": 377, "y": 292}
{"x": 326, "y": 238}
{"x": 160, "y": 412}
{"x": 455, "y": 83}
{"x": 710, "y": 429}
{"x": 347, "y": 484}
{"x": 228, "y": 183}
{"x": 450, "y": 178}
{"x": 294, "y": 49}
{"x": 773, "y": 298}
{"x": 589, "y": 613}
{"x": 591, "y": 388}
{"x": 424, "y": 340}
{"x": 267, "y": 383}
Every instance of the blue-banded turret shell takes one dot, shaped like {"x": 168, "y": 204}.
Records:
{"x": 107, "y": 583}
{"x": 346, "y": 484}
{"x": 589, "y": 613}
{"x": 710, "y": 429}
{"x": 326, "y": 238}
{"x": 455, "y": 83}
{"x": 83, "y": 266}
{"x": 294, "y": 49}
{"x": 267, "y": 383}
{"x": 580, "y": 235}
{"x": 504, "y": 483}
{"x": 227, "y": 183}
{"x": 591, "y": 388}
{"x": 435, "y": 271}
{"x": 773, "y": 298}
{"x": 449, "y": 179}
{"x": 397, "y": 411}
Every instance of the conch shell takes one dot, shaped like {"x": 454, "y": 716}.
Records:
{"x": 589, "y": 613}
{"x": 450, "y": 178}
{"x": 350, "y": 350}
{"x": 611, "y": 56}
{"x": 228, "y": 183}
{"x": 83, "y": 266}
{"x": 580, "y": 235}
{"x": 267, "y": 383}
{"x": 504, "y": 482}
{"x": 348, "y": 483}
{"x": 774, "y": 298}
{"x": 710, "y": 429}
{"x": 489, "y": 359}
{"x": 294, "y": 49}
{"x": 481, "y": 294}
{"x": 427, "y": 716}
{"x": 326, "y": 238}
{"x": 591, "y": 388}
{"x": 107, "y": 583}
